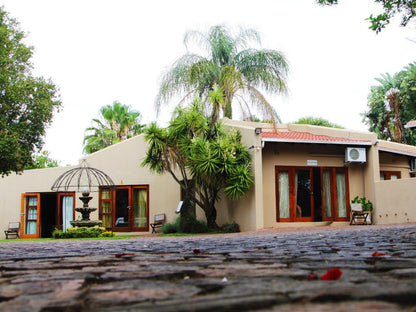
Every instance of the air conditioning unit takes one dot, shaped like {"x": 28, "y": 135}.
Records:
{"x": 355, "y": 154}
{"x": 413, "y": 165}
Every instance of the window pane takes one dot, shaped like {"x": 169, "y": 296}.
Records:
{"x": 67, "y": 211}
{"x": 31, "y": 227}
{"x": 105, "y": 207}
{"x": 139, "y": 208}
{"x": 382, "y": 177}
{"x": 32, "y": 201}
{"x": 107, "y": 221}
{"x": 284, "y": 194}
{"x": 394, "y": 177}
{"x": 341, "y": 195}
{"x": 327, "y": 193}
{"x": 32, "y": 214}
{"x": 105, "y": 193}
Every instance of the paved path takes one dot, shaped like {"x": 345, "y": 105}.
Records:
{"x": 270, "y": 270}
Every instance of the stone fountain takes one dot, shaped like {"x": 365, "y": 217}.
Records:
{"x": 83, "y": 178}
{"x": 85, "y": 211}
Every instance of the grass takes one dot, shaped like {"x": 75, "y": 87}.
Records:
{"x": 67, "y": 239}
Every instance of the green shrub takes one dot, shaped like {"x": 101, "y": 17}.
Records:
{"x": 79, "y": 232}
{"x": 169, "y": 228}
{"x": 107, "y": 234}
{"x": 230, "y": 228}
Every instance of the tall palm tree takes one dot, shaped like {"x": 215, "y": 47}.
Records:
{"x": 240, "y": 72}
{"x": 118, "y": 123}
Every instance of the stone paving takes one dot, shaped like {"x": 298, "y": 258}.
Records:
{"x": 269, "y": 270}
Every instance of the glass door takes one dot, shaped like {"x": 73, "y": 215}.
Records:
{"x": 30, "y": 215}
{"x": 122, "y": 208}
{"x": 131, "y": 208}
{"x": 66, "y": 210}
{"x": 335, "y": 194}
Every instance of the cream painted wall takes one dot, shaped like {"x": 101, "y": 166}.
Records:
{"x": 395, "y": 162}
{"x": 121, "y": 162}
{"x": 395, "y": 201}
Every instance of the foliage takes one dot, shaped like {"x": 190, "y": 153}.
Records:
{"x": 42, "y": 160}
{"x": 391, "y": 104}
{"x": 195, "y": 226}
{"x": 202, "y": 158}
{"x": 117, "y": 123}
{"x": 230, "y": 67}
{"x": 317, "y": 121}
{"x": 230, "y": 228}
{"x": 80, "y": 232}
{"x": 107, "y": 234}
{"x": 407, "y": 9}
{"x": 27, "y": 103}
{"x": 366, "y": 204}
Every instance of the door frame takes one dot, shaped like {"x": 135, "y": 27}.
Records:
{"x": 23, "y": 216}
{"x": 314, "y": 188}
{"x": 59, "y": 207}
{"x": 113, "y": 199}
{"x": 292, "y": 194}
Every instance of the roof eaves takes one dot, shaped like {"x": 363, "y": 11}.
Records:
{"x": 279, "y": 140}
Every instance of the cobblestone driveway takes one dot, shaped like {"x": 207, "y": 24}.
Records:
{"x": 271, "y": 270}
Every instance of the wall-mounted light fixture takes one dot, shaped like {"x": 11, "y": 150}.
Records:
{"x": 257, "y": 130}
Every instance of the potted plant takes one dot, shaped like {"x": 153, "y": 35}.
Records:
{"x": 361, "y": 204}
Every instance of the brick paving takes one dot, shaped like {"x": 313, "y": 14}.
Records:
{"x": 269, "y": 270}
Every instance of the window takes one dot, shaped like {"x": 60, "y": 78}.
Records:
{"x": 105, "y": 207}
{"x": 390, "y": 175}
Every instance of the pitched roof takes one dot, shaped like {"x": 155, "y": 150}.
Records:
{"x": 305, "y": 137}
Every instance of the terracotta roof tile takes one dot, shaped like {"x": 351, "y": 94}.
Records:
{"x": 292, "y": 136}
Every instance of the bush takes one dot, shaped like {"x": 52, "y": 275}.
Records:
{"x": 169, "y": 228}
{"x": 194, "y": 226}
{"x": 79, "y": 232}
{"x": 107, "y": 234}
{"x": 230, "y": 228}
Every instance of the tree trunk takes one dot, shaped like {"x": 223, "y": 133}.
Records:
{"x": 211, "y": 215}
{"x": 187, "y": 216}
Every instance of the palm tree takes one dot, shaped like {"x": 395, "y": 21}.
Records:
{"x": 229, "y": 65}
{"x": 119, "y": 123}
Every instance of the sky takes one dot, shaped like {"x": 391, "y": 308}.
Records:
{"x": 101, "y": 51}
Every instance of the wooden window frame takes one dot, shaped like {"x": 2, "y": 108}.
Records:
{"x": 389, "y": 173}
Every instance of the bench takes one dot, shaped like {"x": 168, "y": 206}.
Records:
{"x": 13, "y": 230}
{"x": 160, "y": 219}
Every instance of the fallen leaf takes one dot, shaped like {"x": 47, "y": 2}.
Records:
{"x": 121, "y": 255}
{"x": 196, "y": 251}
{"x": 312, "y": 277}
{"x": 378, "y": 254}
{"x": 332, "y": 275}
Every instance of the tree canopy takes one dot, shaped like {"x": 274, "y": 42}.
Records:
{"x": 391, "y": 104}
{"x": 116, "y": 123}
{"x": 204, "y": 160}
{"x": 228, "y": 65}
{"x": 405, "y": 8}
{"x": 42, "y": 160}
{"x": 27, "y": 103}
{"x": 317, "y": 121}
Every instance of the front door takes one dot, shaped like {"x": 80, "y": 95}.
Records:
{"x": 311, "y": 194}
{"x": 131, "y": 208}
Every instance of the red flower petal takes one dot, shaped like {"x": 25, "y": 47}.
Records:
{"x": 126, "y": 255}
{"x": 332, "y": 275}
{"x": 312, "y": 277}
{"x": 378, "y": 254}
